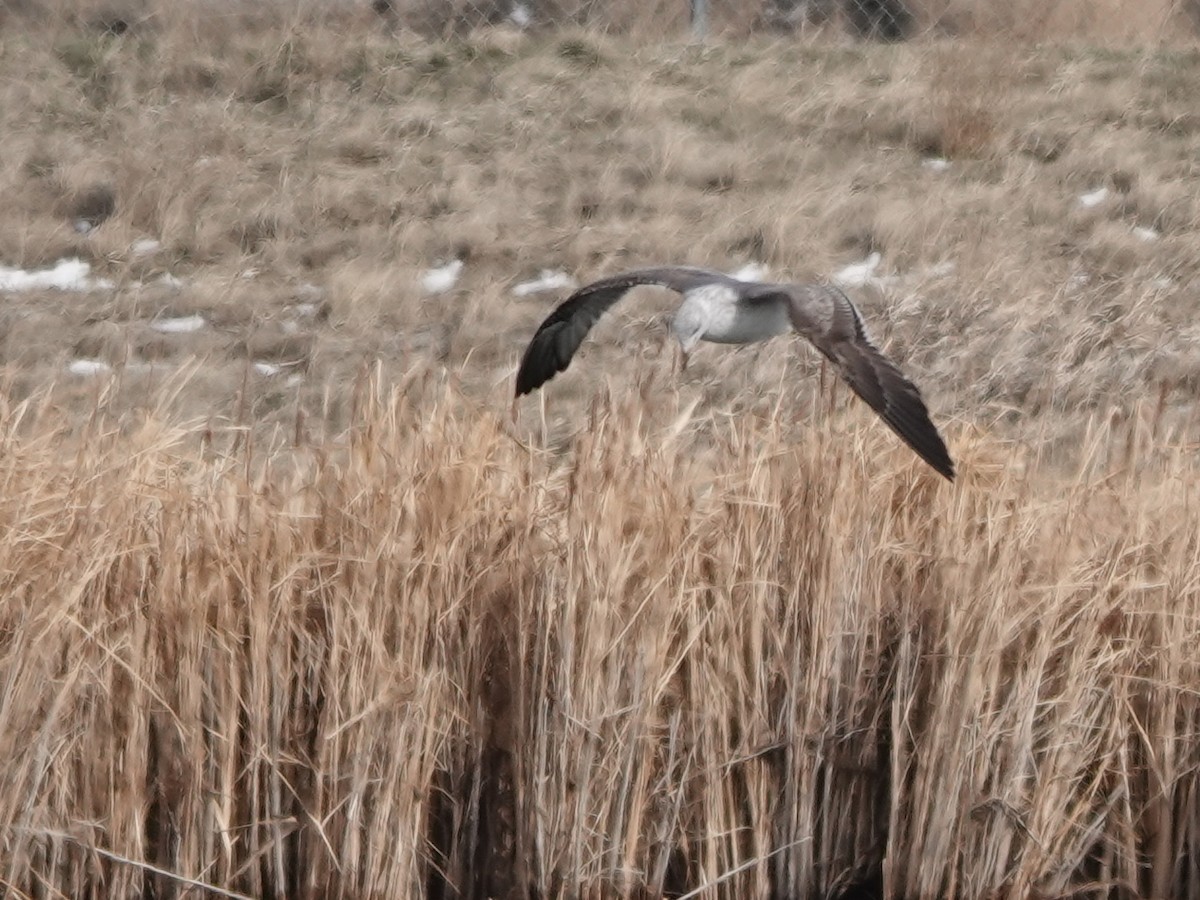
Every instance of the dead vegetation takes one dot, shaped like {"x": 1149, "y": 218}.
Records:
{"x": 421, "y": 660}
{"x": 278, "y": 163}
{"x": 322, "y": 632}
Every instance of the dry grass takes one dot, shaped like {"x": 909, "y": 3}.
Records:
{"x": 433, "y": 662}
{"x": 358, "y": 635}
{"x": 282, "y": 163}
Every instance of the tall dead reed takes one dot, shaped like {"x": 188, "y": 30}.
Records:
{"x": 422, "y": 659}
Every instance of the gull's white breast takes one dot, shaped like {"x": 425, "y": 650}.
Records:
{"x": 728, "y": 321}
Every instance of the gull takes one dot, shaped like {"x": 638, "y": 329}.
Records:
{"x": 724, "y": 310}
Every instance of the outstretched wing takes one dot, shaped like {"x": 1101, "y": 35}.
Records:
{"x": 828, "y": 318}
{"x": 557, "y": 339}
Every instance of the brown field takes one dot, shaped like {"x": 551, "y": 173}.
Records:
{"x": 349, "y": 630}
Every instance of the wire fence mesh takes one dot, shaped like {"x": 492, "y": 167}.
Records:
{"x": 888, "y": 20}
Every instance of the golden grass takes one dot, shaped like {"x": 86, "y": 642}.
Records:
{"x": 422, "y": 658}
{"x": 360, "y": 635}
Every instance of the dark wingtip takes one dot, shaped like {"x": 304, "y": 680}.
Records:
{"x": 533, "y": 373}
{"x": 944, "y": 467}
{"x": 929, "y": 445}
{"x": 931, "y": 448}
{"x": 910, "y": 420}
{"x": 524, "y": 384}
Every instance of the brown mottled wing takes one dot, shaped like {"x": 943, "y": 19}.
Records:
{"x": 827, "y": 317}
{"x": 557, "y": 339}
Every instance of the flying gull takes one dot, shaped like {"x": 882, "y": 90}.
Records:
{"x": 724, "y": 310}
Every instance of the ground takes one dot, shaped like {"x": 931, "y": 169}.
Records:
{"x": 301, "y": 611}
{"x": 296, "y": 185}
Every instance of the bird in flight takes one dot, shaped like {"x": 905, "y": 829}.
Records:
{"x": 724, "y": 310}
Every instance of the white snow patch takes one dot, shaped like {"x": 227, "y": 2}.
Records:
{"x": 144, "y": 247}
{"x": 547, "y": 280}
{"x": 1142, "y": 233}
{"x": 166, "y": 279}
{"x": 935, "y": 164}
{"x": 86, "y": 367}
{"x": 520, "y": 15}
{"x": 179, "y": 324}
{"x": 294, "y": 379}
{"x": 859, "y": 274}
{"x": 1093, "y": 198}
{"x": 267, "y": 368}
{"x": 862, "y": 274}
{"x": 940, "y": 270}
{"x": 441, "y": 279}
{"x": 751, "y": 271}
{"x": 67, "y": 275}
{"x": 310, "y": 292}
{"x": 83, "y": 226}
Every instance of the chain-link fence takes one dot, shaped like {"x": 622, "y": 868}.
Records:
{"x": 888, "y": 20}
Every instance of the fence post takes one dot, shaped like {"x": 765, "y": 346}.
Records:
{"x": 699, "y": 19}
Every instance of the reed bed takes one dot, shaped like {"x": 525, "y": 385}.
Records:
{"x": 681, "y": 656}
{"x": 271, "y": 628}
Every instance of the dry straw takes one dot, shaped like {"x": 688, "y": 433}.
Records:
{"x": 427, "y": 660}
{"x": 722, "y": 637}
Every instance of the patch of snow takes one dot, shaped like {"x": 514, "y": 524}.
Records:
{"x": 520, "y": 15}
{"x": 1093, "y": 198}
{"x": 306, "y": 310}
{"x": 940, "y": 270}
{"x": 83, "y": 226}
{"x": 547, "y": 280}
{"x": 67, "y": 275}
{"x": 859, "y": 274}
{"x": 294, "y": 379}
{"x": 309, "y": 292}
{"x": 443, "y": 278}
{"x": 87, "y": 367}
{"x": 751, "y": 271}
{"x": 179, "y": 324}
{"x": 144, "y": 247}
{"x": 166, "y": 279}
{"x": 935, "y": 164}
{"x": 248, "y": 273}
{"x": 267, "y": 368}
{"x": 1145, "y": 234}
